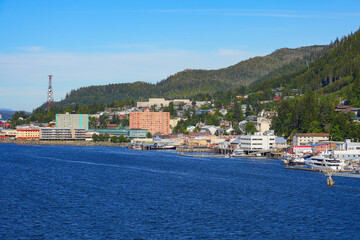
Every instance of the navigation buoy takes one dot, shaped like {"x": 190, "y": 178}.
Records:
{"x": 330, "y": 181}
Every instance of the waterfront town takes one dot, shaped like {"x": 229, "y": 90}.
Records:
{"x": 148, "y": 127}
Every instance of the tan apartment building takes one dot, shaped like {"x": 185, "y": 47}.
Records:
{"x": 262, "y": 124}
{"x": 27, "y": 134}
{"x": 153, "y": 102}
{"x": 155, "y": 122}
{"x": 161, "y": 102}
{"x": 301, "y": 139}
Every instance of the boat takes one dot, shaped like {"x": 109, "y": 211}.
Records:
{"x": 238, "y": 153}
{"x": 136, "y": 147}
{"x": 162, "y": 146}
{"x": 326, "y": 161}
{"x": 294, "y": 159}
{"x": 285, "y": 158}
{"x": 297, "y": 161}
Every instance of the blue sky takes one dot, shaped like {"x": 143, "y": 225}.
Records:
{"x": 85, "y": 43}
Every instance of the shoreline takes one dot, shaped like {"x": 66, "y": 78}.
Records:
{"x": 65, "y": 143}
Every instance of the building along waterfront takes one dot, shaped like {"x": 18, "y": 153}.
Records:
{"x": 27, "y": 134}
{"x": 155, "y": 122}
{"x": 62, "y": 134}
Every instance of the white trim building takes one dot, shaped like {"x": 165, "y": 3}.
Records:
{"x": 258, "y": 141}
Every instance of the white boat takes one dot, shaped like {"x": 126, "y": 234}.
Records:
{"x": 297, "y": 161}
{"x": 285, "y": 158}
{"x": 238, "y": 153}
{"x": 293, "y": 159}
{"x": 326, "y": 161}
{"x": 163, "y": 146}
{"x": 137, "y": 147}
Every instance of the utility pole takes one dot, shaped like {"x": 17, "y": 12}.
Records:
{"x": 50, "y": 94}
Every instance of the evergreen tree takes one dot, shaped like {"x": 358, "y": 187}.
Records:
{"x": 238, "y": 114}
{"x": 250, "y": 128}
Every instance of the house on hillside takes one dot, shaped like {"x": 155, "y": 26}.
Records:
{"x": 347, "y": 109}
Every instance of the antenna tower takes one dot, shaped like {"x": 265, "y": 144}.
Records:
{"x": 50, "y": 94}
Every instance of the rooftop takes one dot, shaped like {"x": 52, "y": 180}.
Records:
{"x": 312, "y": 134}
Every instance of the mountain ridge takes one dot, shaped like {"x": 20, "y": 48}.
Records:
{"x": 190, "y": 82}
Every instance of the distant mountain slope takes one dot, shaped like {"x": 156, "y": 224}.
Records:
{"x": 191, "y": 82}
{"x": 6, "y": 113}
{"x": 336, "y": 70}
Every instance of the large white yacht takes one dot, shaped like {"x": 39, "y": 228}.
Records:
{"x": 326, "y": 161}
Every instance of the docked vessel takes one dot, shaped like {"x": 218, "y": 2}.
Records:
{"x": 293, "y": 159}
{"x": 238, "y": 153}
{"x": 297, "y": 161}
{"x": 326, "y": 161}
{"x": 136, "y": 147}
{"x": 163, "y": 146}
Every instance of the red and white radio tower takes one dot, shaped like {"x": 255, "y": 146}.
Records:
{"x": 50, "y": 94}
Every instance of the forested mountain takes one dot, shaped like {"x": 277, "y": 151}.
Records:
{"x": 337, "y": 72}
{"x": 334, "y": 77}
{"x": 191, "y": 82}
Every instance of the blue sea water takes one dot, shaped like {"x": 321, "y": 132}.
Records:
{"x": 68, "y": 192}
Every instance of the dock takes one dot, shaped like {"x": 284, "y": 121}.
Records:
{"x": 303, "y": 169}
{"x": 203, "y": 156}
{"x": 320, "y": 170}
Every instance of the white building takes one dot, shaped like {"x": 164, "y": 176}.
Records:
{"x": 62, "y": 134}
{"x": 347, "y": 154}
{"x": 347, "y": 150}
{"x": 258, "y": 141}
{"x": 348, "y": 145}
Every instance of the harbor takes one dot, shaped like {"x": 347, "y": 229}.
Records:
{"x": 152, "y": 185}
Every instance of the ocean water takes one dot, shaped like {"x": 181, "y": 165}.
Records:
{"x": 68, "y": 192}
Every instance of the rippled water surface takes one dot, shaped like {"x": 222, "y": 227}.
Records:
{"x": 68, "y": 192}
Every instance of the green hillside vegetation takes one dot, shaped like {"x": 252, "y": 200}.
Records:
{"x": 336, "y": 70}
{"x": 332, "y": 78}
{"x": 310, "y": 114}
{"x": 189, "y": 83}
